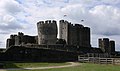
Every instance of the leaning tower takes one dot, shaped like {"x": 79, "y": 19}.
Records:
{"x": 47, "y": 32}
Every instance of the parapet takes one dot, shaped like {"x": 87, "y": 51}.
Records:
{"x": 20, "y": 34}
{"x": 40, "y": 22}
{"x": 105, "y": 39}
{"x": 79, "y": 25}
{"x": 61, "y": 21}
{"x": 112, "y": 41}
{"x": 86, "y": 28}
{"x": 12, "y": 36}
{"x": 54, "y": 22}
{"x": 64, "y": 21}
{"x": 47, "y": 22}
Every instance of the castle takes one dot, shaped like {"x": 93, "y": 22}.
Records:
{"x": 47, "y": 34}
{"x": 74, "y": 40}
{"x": 106, "y": 45}
{"x": 74, "y": 34}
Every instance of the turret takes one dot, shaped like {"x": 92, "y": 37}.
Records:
{"x": 47, "y": 32}
{"x": 106, "y": 45}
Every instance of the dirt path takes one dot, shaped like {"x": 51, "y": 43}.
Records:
{"x": 72, "y": 64}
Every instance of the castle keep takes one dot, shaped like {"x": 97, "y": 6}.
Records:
{"x": 47, "y": 32}
{"x": 74, "y": 40}
{"x": 75, "y": 34}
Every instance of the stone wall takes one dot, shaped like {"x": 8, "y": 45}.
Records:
{"x": 47, "y": 32}
{"x": 106, "y": 45}
{"x": 20, "y": 39}
{"x": 75, "y": 34}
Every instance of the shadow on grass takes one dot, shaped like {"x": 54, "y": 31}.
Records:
{"x": 10, "y": 65}
{"x": 16, "y": 65}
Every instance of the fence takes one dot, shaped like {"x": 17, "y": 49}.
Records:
{"x": 99, "y": 60}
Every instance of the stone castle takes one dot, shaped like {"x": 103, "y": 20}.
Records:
{"x": 47, "y": 34}
{"x": 74, "y": 40}
{"x": 74, "y": 34}
{"x": 106, "y": 45}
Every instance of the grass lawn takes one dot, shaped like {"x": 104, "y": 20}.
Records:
{"x": 84, "y": 67}
{"x": 30, "y": 65}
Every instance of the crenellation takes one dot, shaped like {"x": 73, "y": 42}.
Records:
{"x": 106, "y": 45}
{"x": 61, "y": 21}
{"x": 12, "y": 36}
{"x": 40, "y": 22}
{"x": 46, "y": 22}
{"x": 20, "y": 34}
{"x": 54, "y": 22}
{"x": 79, "y": 25}
{"x": 74, "y": 34}
{"x": 49, "y": 21}
{"x": 66, "y": 21}
{"x": 86, "y": 28}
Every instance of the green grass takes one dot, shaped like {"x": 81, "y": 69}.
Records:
{"x": 84, "y": 67}
{"x": 30, "y": 65}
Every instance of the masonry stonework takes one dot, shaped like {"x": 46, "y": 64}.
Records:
{"x": 75, "y": 34}
{"x": 74, "y": 40}
{"x": 47, "y": 32}
{"x": 106, "y": 45}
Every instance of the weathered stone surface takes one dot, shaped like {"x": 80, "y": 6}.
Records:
{"x": 74, "y": 34}
{"x": 47, "y": 32}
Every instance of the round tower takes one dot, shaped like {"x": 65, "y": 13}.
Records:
{"x": 47, "y": 32}
{"x": 106, "y": 44}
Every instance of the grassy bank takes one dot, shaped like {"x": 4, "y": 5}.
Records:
{"x": 84, "y": 67}
{"x": 30, "y": 65}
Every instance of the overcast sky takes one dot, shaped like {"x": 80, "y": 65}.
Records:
{"x": 102, "y": 16}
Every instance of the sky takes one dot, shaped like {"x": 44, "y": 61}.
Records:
{"x": 102, "y": 16}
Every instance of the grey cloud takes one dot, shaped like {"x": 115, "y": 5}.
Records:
{"x": 47, "y": 1}
{"x": 11, "y": 6}
{"x": 4, "y": 33}
{"x": 10, "y": 27}
{"x": 103, "y": 19}
{"x": 109, "y": 31}
{"x": 0, "y": 42}
{"x": 8, "y": 19}
{"x": 9, "y": 22}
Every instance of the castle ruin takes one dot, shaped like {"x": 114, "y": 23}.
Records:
{"x": 21, "y": 39}
{"x": 47, "y": 32}
{"x": 106, "y": 45}
{"x": 74, "y": 40}
{"x": 75, "y": 34}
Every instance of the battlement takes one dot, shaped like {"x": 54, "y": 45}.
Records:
{"x": 112, "y": 41}
{"x": 20, "y": 34}
{"x": 61, "y": 21}
{"x": 79, "y": 25}
{"x": 12, "y": 36}
{"x": 47, "y": 22}
{"x": 105, "y": 39}
{"x": 86, "y": 28}
{"x": 107, "y": 45}
{"x": 64, "y": 22}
